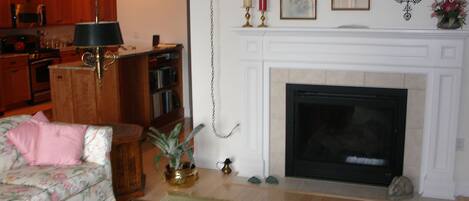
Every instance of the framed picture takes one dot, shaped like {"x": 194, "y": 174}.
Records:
{"x": 350, "y": 4}
{"x": 298, "y": 9}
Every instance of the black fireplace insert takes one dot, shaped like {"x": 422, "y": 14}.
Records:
{"x": 351, "y": 134}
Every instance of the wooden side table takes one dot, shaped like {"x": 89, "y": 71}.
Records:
{"x": 126, "y": 159}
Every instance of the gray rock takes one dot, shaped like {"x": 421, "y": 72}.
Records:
{"x": 401, "y": 188}
{"x": 271, "y": 180}
{"x": 254, "y": 180}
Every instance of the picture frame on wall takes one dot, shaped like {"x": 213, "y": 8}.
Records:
{"x": 350, "y": 4}
{"x": 298, "y": 9}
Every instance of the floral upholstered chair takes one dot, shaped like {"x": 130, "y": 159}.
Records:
{"x": 92, "y": 180}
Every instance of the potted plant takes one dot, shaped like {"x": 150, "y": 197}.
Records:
{"x": 177, "y": 172}
{"x": 451, "y": 14}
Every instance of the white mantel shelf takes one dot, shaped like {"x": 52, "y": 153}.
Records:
{"x": 414, "y": 33}
{"x": 438, "y": 54}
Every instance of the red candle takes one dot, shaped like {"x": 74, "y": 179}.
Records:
{"x": 262, "y": 5}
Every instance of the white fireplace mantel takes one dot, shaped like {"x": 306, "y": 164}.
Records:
{"x": 437, "y": 54}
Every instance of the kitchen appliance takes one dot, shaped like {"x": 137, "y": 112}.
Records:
{"x": 28, "y": 14}
{"x": 39, "y": 61}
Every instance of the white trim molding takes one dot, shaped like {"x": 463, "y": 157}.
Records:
{"x": 438, "y": 54}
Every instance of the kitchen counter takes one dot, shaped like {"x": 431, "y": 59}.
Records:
{"x": 145, "y": 50}
{"x": 123, "y": 95}
{"x": 7, "y": 56}
{"x": 121, "y": 54}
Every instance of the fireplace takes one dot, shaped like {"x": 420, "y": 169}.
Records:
{"x": 353, "y": 134}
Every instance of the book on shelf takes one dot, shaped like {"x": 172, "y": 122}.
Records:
{"x": 162, "y": 77}
{"x": 164, "y": 102}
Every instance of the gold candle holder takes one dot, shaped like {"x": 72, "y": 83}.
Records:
{"x": 248, "y": 18}
{"x": 262, "y": 20}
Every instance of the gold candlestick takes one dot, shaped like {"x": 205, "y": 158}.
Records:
{"x": 248, "y": 18}
{"x": 262, "y": 20}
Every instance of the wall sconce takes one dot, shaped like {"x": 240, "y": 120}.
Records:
{"x": 98, "y": 35}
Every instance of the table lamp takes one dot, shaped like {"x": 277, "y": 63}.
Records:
{"x": 98, "y": 35}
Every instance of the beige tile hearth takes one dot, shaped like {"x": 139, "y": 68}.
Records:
{"x": 387, "y": 80}
{"x": 345, "y": 78}
{"x": 212, "y": 184}
{"x": 415, "y": 83}
{"x": 302, "y": 76}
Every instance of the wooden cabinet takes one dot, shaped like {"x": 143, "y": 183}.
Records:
{"x": 54, "y": 12}
{"x": 77, "y": 97}
{"x": 160, "y": 63}
{"x": 59, "y": 12}
{"x": 107, "y": 10}
{"x": 125, "y": 95}
{"x": 85, "y": 13}
{"x": 5, "y": 14}
{"x": 126, "y": 161}
{"x": 2, "y": 106}
{"x": 14, "y": 80}
{"x": 64, "y": 12}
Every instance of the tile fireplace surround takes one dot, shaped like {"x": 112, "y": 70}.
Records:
{"x": 427, "y": 62}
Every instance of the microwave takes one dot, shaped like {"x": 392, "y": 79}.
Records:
{"x": 28, "y": 15}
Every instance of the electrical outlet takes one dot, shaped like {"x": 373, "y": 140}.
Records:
{"x": 460, "y": 144}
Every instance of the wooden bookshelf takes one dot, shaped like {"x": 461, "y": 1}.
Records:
{"x": 168, "y": 57}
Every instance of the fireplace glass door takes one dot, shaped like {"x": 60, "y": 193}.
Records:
{"x": 345, "y": 133}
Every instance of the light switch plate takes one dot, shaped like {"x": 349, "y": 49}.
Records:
{"x": 460, "y": 142}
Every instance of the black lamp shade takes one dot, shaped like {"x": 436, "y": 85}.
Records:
{"x": 98, "y": 34}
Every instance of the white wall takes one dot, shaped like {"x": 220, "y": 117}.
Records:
{"x": 383, "y": 14}
{"x": 141, "y": 19}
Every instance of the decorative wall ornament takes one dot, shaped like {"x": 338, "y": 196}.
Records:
{"x": 350, "y": 4}
{"x": 408, "y": 7}
{"x": 298, "y": 9}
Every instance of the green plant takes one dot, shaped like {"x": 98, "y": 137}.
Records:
{"x": 170, "y": 146}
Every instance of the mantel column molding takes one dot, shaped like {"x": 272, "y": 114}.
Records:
{"x": 435, "y": 53}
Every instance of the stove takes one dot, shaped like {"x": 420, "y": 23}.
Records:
{"x": 39, "y": 61}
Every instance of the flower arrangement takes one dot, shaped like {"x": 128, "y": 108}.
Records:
{"x": 451, "y": 14}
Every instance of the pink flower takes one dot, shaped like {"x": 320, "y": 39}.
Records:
{"x": 59, "y": 177}
{"x": 54, "y": 196}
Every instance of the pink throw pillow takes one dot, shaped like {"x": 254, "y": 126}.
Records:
{"x": 40, "y": 116}
{"x": 25, "y": 135}
{"x": 59, "y": 144}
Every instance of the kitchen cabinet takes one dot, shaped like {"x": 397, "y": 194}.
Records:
{"x": 54, "y": 12}
{"x": 107, "y": 10}
{"x": 5, "y": 16}
{"x": 85, "y": 13}
{"x": 15, "y": 80}
{"x": 59, "y": 12}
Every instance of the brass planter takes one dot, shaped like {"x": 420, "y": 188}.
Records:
{"x": 185, "y": 177}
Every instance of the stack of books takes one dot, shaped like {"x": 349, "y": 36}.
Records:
{"x": 164, "y": 102}
{"x": 161, "y": 78}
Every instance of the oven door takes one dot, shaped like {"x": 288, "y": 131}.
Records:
{"x": 40, "y": 82}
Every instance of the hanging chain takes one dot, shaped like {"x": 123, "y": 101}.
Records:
{"x": 212, "y": 78}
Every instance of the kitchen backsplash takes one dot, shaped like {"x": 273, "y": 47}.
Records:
{"x": 54, "y": 37}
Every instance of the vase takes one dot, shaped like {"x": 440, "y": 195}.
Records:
{"x": 184, "y": 177}
{"x": 446, "y": 25}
